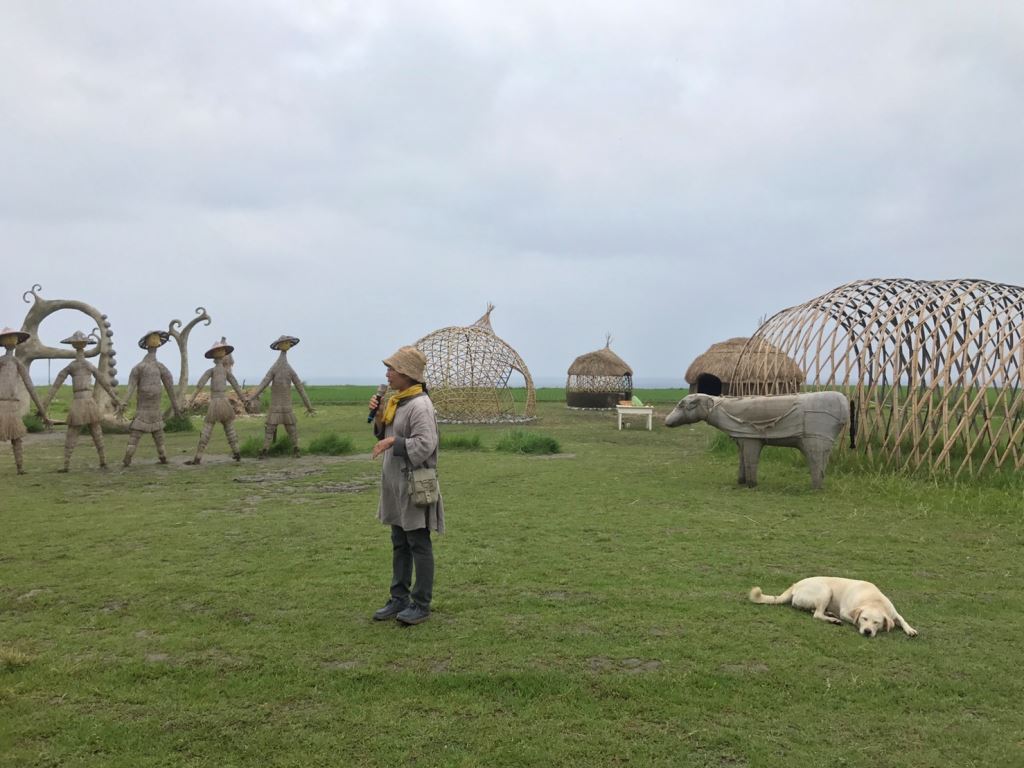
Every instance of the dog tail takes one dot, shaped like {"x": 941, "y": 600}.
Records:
{"x": 756, "y": 596}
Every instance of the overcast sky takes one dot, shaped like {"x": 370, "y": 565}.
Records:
{"x": 360, "y": 174}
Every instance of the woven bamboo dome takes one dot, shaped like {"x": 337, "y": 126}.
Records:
{"x": 715, "y": 373}
{"x": 598, "y": 379}
{"x": 932, "y": 367}
{"x": 469, "y": 370}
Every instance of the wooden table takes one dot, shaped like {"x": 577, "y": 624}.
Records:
{"x": 635, "y": 410}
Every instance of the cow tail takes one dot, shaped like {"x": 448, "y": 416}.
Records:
{"x": 853, "y": 424}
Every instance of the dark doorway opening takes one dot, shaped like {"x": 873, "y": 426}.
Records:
{"x": 709, "y": 385}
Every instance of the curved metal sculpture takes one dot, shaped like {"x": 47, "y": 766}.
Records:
{"x": 33, "y": 349}
{"x": 180, "y": 335}
{"x": 933, "y": 367}
{"x": 468, "y": 372}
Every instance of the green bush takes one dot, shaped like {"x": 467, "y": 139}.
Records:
{"x": 331, "y": 444}
{"x": 252, "y": 446}
{"x": 461, "y": 442}
{"x": 181, "y": 423}
{"x": 33, "y": 423}
{"x": 521, "y": 441}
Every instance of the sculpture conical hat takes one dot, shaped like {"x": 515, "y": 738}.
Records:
{"x": 282, "y": 339}
{"x": 222, "y": 344}
{"x": 22, "y": 335}
{"x": 164, "y": 336}
{"x": 78, "y": 338}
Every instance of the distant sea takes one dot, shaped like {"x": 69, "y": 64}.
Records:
{"x": 648, "y": 382}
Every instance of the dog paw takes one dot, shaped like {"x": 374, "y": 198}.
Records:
{"x": 911, "y": 632}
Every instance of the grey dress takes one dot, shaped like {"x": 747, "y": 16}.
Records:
{"x": 416, "y": 442}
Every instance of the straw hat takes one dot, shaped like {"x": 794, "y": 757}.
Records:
{"x": 222, "y": 344}
{"x": 277, "y": 344}
{"x": 22, "y": 335}
{"x": 79, "y": 338}
{"x": 164, "y": 336}
{"x": 408, "y": 361}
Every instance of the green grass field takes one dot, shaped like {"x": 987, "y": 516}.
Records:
{"x": 590, "y": 607}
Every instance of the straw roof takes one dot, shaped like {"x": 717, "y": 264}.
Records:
{"x": 601, "y": 362}
{"x": 720, "y": 361}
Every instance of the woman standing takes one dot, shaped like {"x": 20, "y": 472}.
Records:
{"x": 407, "y": 431}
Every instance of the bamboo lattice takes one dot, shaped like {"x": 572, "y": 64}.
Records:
{"x": 933, "y": 367}
{"x": 468, "y": 373}
{"x": 598, "y": 380}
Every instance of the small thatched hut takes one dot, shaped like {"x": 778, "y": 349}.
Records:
{"x": 713, "y": 373}
{"x": 598, "y": 379}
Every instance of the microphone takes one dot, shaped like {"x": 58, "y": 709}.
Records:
{"x": 381, "y": 389}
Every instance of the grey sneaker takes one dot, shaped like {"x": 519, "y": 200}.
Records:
{"x": 391, "y": 609}
{"x": 414, "y": 614}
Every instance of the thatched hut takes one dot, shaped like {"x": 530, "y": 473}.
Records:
{"x": 714, "y": 372}
{"x": 475, "y": 377}
{"x": 598, "y": 380}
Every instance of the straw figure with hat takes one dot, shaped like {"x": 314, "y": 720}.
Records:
{"x": 13, "y": 371}
{"x": 150, "y": 377}
{"x": 406, "y": 428}
{"x": 220, "y": 410}
{"x": 280, "y": 379}
{"x": 84, "y": 410}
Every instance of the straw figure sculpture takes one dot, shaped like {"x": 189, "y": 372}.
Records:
{"x": 34, "y": 349}
{"x": 148, "y": 380}
{"x": 84, "y": 412}
{"x": 13, "y": 377}
{"x": 281, "y": 378}
{"x": 468, "y": 373}
{"x": 598, "y": 380}
{"x": 933, "y": 368}
{"x": 714, "y": 372}
{"x": 219, "y": 410}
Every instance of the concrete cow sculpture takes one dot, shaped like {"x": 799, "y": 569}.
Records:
{"x": 810, "y": 421}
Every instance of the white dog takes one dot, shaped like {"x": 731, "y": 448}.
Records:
{"x": 859, "y": 602}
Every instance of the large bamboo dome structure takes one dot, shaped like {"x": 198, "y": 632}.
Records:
{"x": 715, "y": 371}
{"x": 932, "y": 367}
{"x": 598, "y": 380}
{"x": 469, "y": 372}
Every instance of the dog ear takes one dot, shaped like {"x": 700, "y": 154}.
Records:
{"x": 855, "y": 614}
{"x": 889, "y": 624}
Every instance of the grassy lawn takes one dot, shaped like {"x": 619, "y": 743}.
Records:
{"x": 590, "y": 607}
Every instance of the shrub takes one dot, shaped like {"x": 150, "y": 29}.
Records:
{"x": 461, "y": 442}
{"x": 331, "y": 444}
{"x": 181, "y": 423}
{"x": 521, "y": 441}
{"x": 252, "y": 446}
{"x": 33, "y": 423}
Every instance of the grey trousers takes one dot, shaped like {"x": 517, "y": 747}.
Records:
{"x": 409, "y": 549}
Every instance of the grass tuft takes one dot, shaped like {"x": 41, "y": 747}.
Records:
{"x": 33, "y": 423}
{"x": 331, "y": 444}
{"x": 521, "y": 441}
{"x": 252, "y": 446}
{"x": 461, "y": 442}
{"x": 181, "y": 423}
{"x": 12, "y": 659}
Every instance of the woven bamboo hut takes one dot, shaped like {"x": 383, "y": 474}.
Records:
{"x": 933, "y": 367}
{"x": 598, "y": 380}
{"x": 469, "y": 372}
{"x": 715, "y": 373}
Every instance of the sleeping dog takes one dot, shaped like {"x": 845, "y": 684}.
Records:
{"x": 860, "y": 603}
